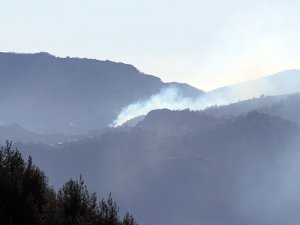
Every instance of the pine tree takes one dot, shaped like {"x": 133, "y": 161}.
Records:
{"x": 26, "y": 198}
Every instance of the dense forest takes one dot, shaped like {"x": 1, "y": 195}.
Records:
{"x": 27, "y": 198}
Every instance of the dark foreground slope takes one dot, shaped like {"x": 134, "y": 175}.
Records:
{"x": 233, "y": 170}
{"x": 45, "y": 93}
{"x": 27, "y": 198}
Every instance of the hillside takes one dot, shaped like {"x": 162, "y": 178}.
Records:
{"x": 17, "y": 133}
{"x": 284, "y": 106}
{"x": 207, "y": 174}
{"x": 45, "y": 93}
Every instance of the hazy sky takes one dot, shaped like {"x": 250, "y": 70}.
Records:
{"x": 204, "y": 43}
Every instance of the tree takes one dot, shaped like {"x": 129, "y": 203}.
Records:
{"x": 78, "y": 205}
{"x": 26, "y": 198}
{"x": 109, "y": 212}
{"x": 128, "y": 220}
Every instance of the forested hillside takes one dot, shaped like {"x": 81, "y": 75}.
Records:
{"x": 27, "y": 198}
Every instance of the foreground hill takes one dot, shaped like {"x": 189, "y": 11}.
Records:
{"x": 45, "y": 93}
{"x": 228, "y": 170}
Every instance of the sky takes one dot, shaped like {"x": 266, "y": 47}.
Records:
{"x": 205, "y": 43}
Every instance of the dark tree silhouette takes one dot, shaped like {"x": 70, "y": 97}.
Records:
{"x": 26, "y": 197}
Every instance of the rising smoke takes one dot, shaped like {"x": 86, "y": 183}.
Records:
{"x": 169, "y": 98}
{"x": 174, "y": 98}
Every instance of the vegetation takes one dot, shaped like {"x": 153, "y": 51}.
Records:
{"x": 26, "y": 197}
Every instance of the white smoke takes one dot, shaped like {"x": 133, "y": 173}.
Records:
{"x": 168, "y": 98}
{"x": 173, "y": 98}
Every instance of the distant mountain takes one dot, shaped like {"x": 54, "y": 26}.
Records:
{"x": 45, "y": 93}
{"x": 16, "y": 133}
{"x": 286, "y": 82}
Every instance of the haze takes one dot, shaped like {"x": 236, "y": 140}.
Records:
{"x": 207, "y": 44}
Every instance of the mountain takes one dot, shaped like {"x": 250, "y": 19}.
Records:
{"x": 285, "y": 82}
{"x": 225, "y": 165}
{"x": 203, "y": 170}
{"x": 45, "y": 93}
{"x": 16, "y": 133}
{"x": 169, "y": 123}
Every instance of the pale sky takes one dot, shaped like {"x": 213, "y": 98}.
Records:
{"x": 207, "y": 44}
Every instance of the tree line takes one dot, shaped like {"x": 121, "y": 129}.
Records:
{"x": 27, "y": 198}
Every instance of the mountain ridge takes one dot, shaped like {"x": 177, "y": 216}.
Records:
{"x": 284, "y": 82}
{"x": 72, "y": 95}
{"x": 209, "y": 167}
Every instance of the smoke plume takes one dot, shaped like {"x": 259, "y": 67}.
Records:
{"x": 173, "y": 98}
